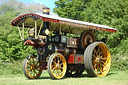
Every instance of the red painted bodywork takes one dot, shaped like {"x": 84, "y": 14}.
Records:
{"x": 71, "y": 58}
{"x": 75, "y": 58}
{"x": 29, "y": 42}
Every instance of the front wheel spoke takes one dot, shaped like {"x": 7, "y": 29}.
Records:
{"x": 61, "y": 68}
{"x": 38, "y": 69}
{"x": 61, "y": 63}
{"x": 33, "y": 60}
{"x": 61, "y": 72}
{"x": 30, "y": 71}
{"x": 54, "y": 62}
{"x": 28, "y": 63}
{"x": 58, "y": 60}
{"x": 36, "y": 63}
{"x": 56, "y": 72}
{"x": 36, "y": 72}
{"x": 54, "y": 68}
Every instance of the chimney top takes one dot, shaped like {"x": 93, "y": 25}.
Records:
{"x": 45, "y": 10}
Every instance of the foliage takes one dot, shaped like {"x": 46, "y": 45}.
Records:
{"x": 11, "y": 46}
{"x": 70, "y": 8}
{"x": 119, "y": 63}
{"x": 11, "y": 68}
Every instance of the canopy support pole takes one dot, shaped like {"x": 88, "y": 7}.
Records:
{"x": 23, "y": 30}
{"x": 40, "y": 28}
{"x": 53, "y": 30}
{"x": 19, "y": 31}
{"x": 60, "y": 29}
{"x": 35, "y": 29}
{"x": 69, "y": 31}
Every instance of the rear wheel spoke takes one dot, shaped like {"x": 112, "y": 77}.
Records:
{"x": 102, "y": 52}
{"x": 100, "y": 68}
{"x": 98, "y": 50}
{"x": 104, "y": 58}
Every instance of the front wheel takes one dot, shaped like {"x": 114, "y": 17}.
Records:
{"x": 31, "y": 67}
{"x": 57, "y": 66}
{"x": 97, "y": 59}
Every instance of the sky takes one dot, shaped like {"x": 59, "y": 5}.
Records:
{"x": 48, "y": 3}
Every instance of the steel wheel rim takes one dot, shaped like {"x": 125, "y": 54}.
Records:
{"x": 58, "y": 66}
{"x": 101, "y": 60}
{"x": 33, "y": 67}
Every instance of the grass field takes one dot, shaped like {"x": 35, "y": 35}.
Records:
{"x": 113, "y": 78}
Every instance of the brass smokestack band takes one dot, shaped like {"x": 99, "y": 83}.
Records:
{"x": 45, "y": 10}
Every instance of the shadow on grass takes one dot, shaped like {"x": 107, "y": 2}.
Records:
{"x": 111, "y": 73}
{"x": 51, "y": 78}
{"x": 45, "y": 77}
{"x": 87, "y": 76}
{"x": 81, "y": 76}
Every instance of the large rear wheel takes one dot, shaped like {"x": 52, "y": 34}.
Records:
{"x": 31, "y": 67}
{"x": 97, "y": 59}
{"x": 57, "y": 66}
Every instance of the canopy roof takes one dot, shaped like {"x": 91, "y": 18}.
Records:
{"x": 29, "y": 21}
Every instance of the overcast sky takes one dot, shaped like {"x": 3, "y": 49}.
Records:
{"x": 48, "y": 3}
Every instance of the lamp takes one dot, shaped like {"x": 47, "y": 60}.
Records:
{"x": 47, "y": 31}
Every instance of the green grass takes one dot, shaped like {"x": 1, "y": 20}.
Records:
{"x": 113, "y": 78}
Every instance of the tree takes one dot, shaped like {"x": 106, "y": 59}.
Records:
{"x": 70, "y": 8}
{"x": 11, "y": 46}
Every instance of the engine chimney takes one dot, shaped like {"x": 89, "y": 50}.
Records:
{"x": 46, "y": 10}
